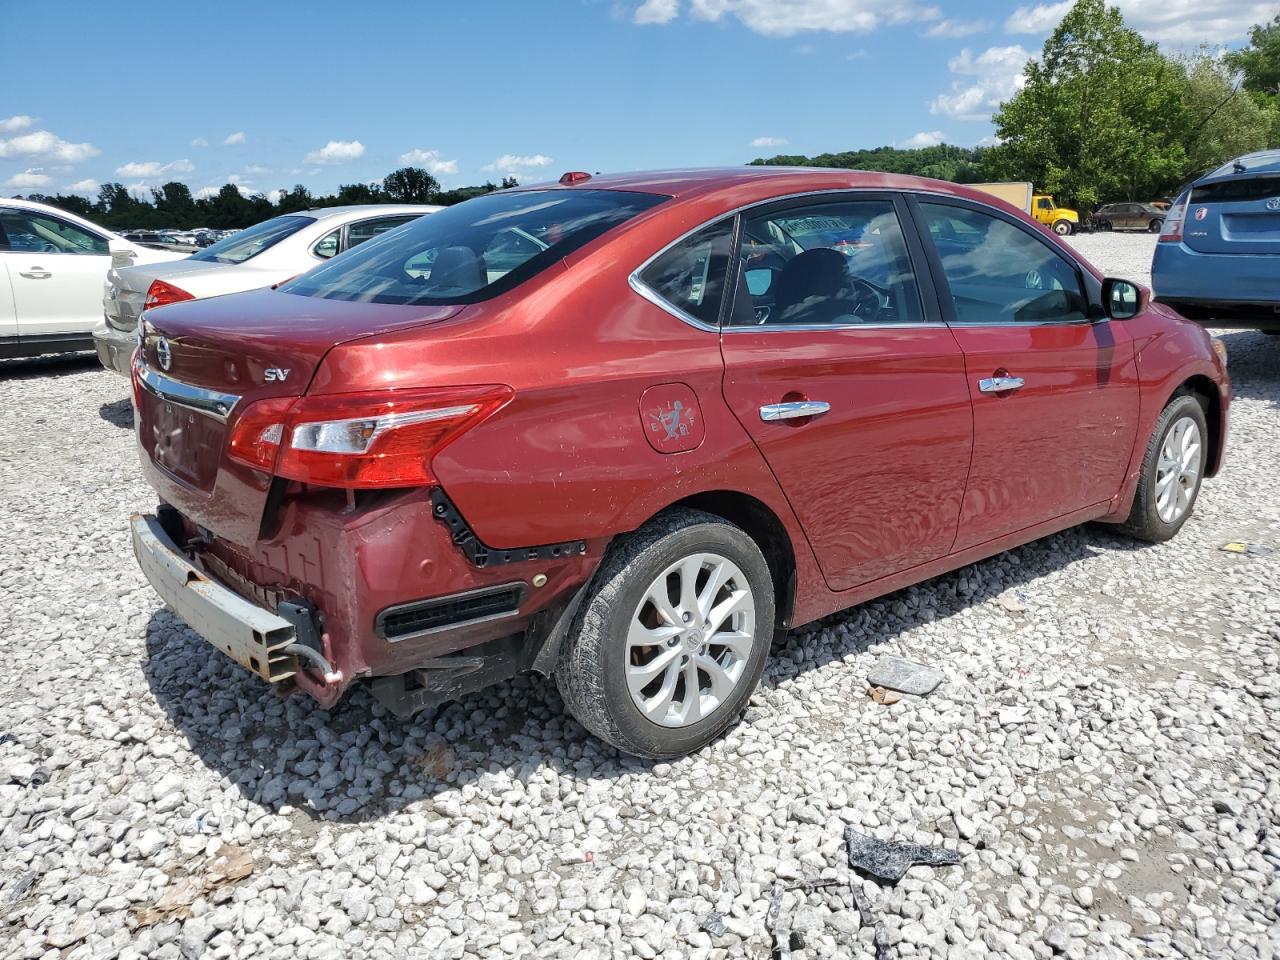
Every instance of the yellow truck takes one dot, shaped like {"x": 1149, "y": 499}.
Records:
{"x": 1040, "y": 205}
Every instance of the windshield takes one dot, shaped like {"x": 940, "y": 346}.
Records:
{"x": 472, "y": 251}
{"x": 246, "y": 244}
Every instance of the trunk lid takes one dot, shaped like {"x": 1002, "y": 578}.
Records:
{"x": 1238, "y": 214}
{"x": 203, "y": 357}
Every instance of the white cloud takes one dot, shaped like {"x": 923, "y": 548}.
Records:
{"x": 986, "y": 81}
{"x": 256, "y": 170}
{"x": 657, "y": 11}
{"x": 431, "y": 160}
{"x": 275, "y": 195}
{"x": 28, "y": 178}
{"x": 955, "y": 29}
{"x": 207, "y": 193}
{"x": 153, "y": 168}
{"x": 513, "y": 163}
{"x": 785, "y": 18}
{"x": 87, "y": 185}
{"x": 337, "y": 151}
{"x": 1038, "y": 19}
{"x": 199, "y": 142}
{"x": 47, "y": 146}
{"x": 925, "y": 138}
{"x": 1176, "y": 22}
{"x": 15, "y": 123}
{"x": 234, "y": 138}
{"x": 769, "y": 142}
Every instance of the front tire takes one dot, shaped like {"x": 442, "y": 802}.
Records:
{"x": 1172, "y": 470}
{"x": 1062, "y": 228}
{"x": 673, "y": 637}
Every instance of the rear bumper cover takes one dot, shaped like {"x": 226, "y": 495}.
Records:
{"x": 1218, "y": 289}
{"x": 115, "y": 347}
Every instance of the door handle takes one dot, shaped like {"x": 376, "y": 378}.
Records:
{"x": 794, "y": 410}
{"x": 36, "y": 273}
{"x": 1000, "y": 384}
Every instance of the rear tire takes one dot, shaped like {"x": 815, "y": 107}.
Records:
{"x": 1062, "y": 228}
{"x": 642, "y": 641}
{"x": 1155, "y": 226}
{"x": 1172, "y": 471}
{"x": 1105, "y": 226}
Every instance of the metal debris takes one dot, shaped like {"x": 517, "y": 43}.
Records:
{"x": 890, "y": 860}
{"x": 904, "y": 675}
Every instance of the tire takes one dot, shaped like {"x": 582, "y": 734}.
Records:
{"x": 1062, "y": 228}
{"x": 597, "y": 659}
{"x": 1155, "y": 226}
{"x": 1147, "y": 519}
{"x": 1105, "y": 226}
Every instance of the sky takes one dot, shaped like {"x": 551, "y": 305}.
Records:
{"x": 269, "y": 94}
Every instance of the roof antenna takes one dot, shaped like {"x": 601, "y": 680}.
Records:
{"x": 1239, "y": 167}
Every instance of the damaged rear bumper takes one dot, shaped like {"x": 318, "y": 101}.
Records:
{"x": 259, "y": 640}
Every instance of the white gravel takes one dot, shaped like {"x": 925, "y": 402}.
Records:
{"x": 1103, "y": 753}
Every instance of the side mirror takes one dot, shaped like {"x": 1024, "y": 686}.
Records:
{"x": 1122, "y": 299}
{"x": 122, "y": 254}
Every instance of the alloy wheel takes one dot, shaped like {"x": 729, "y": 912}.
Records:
{"x": 689, "y": 640}
{"x": 1178, "y": 472}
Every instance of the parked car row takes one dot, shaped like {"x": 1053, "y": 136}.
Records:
{"x": 54, "y": 264}
{"x": 624, "y": 430}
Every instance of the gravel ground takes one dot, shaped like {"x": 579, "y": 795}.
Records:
{"x": 1102, "y": 754}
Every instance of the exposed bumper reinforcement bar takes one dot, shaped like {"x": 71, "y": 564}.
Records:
{"x": 257, "y": 639}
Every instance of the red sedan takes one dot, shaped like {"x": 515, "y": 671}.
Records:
{"x": 626, "y": 430}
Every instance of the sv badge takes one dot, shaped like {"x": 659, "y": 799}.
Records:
{"x": 276, "y": 374}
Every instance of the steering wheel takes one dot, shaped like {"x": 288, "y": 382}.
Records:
{"x": 866, "y": 300}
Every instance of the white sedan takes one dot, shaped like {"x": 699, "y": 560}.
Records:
{"x": 267, "y": 253}
{"x": 52, "y": 267}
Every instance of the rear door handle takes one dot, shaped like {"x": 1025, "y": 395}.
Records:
{"x": 36, "y": 273}
{"x": 1000, "y": 384}
{"x": 794, "y": 410}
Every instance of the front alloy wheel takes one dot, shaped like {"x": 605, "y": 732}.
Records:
{"x": 1062, "y": 228}
{"x": 671, "y": 640}
{"x": 1172, "y": 470}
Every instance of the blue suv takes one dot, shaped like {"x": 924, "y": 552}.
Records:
{"x": 1218, "y": 258}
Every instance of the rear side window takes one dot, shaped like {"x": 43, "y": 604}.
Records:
{"x": 358, "y": 233}
{"x": 690, "y": 276}
{"x": 472, "y": 251}
{"x": 1000, "y": 273}
{"x": 247, "y": 244}
{"x": 1237, "y": 191}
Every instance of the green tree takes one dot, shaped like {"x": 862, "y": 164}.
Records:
{"x": 1100, "y": 115}
{"x": 1259, "y": 63}
{"x": 410, "y": 185}
{"x": 295, "y": 200}
{"x": 355, "y": 193}
{"x": 1221, "y": 120}
{"x": 174, "y": 205}
{"x": 942, "y": 162}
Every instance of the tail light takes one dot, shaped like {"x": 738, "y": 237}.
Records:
{"x": 1171, "y": 232}
{"x": 161, "y": 293}
{"x": 360, "y": 440}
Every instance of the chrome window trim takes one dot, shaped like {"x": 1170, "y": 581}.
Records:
{"x": 211, "y": 403}
{"x": 639, "y": 286}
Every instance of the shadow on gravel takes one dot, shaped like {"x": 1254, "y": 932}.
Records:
{"x": 56, "y": 365}
{"x": 1253, "y": 362}
{"x": 357, "y": 762}
{"x": 118, "y": 413}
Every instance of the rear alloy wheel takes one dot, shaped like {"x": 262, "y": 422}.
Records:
{"x": 1172, "y": 470}
{"x": 673, "y": 638}
{"x": 1062, "y": 227}
{"x": 1155, "y": 226}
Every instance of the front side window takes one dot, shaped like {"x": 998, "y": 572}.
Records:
{"x": 827, "y": 264}
{"x": 25, "y": 231}
{"x": 690, "y": 275}
{"x": 443, "y": 258}
{"x": 248, "y": 243}
{"x": 1001, "y": 273}
{"x": 358, "y": 233}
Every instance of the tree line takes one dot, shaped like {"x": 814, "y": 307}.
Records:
{"x": 1105, "y": 116}
{"x": 173, "y": 206}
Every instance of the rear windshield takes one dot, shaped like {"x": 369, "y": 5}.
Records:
{"x": 1237, "y": 190}
{"x": 247, "y": 244}
{"x": 472, "y": 251}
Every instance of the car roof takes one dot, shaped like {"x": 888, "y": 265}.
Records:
{"x": 686, "y": 184}
{"x": 1264, "y": 161}
{"x": 370, "y": 209}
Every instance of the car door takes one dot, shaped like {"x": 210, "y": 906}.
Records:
{"x": 839, "y": 367}
{"x": 56, "y": 272}
{"x": 1055, "y": 391}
